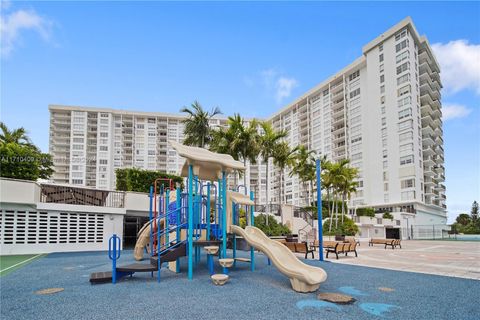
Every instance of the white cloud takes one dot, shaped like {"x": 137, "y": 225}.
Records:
{"x": 13, "y": 24}
{"x": 276, "y": 84}
{"x": 453, "y": 111}
{"x": 459, "y": 65}
{"x": 284, "y": 87}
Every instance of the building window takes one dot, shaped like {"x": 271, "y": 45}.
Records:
{"x": 354, "y": 75}
{"x": 354, "y": 93}
{"x": 406, "y": 147}
{"x": 382, "y": 67}
{"x": 404, "y": 90}
{"x": 385, "y": 154}
{"x": 405, "y": 113}
{"x": 402, "y": 45}
{"x": 385, "y": 187}
{"x": 401, "y": 34}
{"x": 403, "y": 67}
{"x": 406, "y": 136}
{"x": 382, "y": 89}
{"x": 380, "y": 48}
{"x": 356, "y": 156}
{"x": 409, "y": 183}
{"x": 403, "y": 79}
{"x": 356, "y": 139}
{"x": 385, "y": 176}
{"x": 385, "y": 164}
{"x": 408, "y": 124}
{"x": 404, "y": 101}
{"x": 402, "y": 56}
{"x": 380, "y": 57}
{"x": 406, "y": 160}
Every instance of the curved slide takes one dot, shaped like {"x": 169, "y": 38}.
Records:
{"x": 303, "y": 277}
{"x": 143, "y": 239}
{"x": 143, "y": 236}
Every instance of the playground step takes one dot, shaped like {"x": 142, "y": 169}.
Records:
{"x": 170, "y": 254}
{"x": 243, "y": 259}
{"x": 101, "y": 277}
{"x": 137, "y": 267}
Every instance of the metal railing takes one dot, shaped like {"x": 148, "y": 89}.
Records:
{"x": 51, "y": 193}
{"x": 272, "y": 208}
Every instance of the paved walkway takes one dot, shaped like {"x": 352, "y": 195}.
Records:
{"x": 264, "y": 294}
{"x": 447, "y": 258}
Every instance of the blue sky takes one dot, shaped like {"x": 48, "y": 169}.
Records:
{"x": 251, "y": 58}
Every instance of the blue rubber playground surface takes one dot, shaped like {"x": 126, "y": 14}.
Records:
{"x": 263, "y": 294}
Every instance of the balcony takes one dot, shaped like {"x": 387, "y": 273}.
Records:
{"x": 81, "y": 196}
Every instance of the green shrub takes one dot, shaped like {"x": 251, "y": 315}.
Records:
{"x": 139, "y": 180}
{"x": 24, "y": 162}
{"x": 387, "y": 215}
{"x": 273, "y": 228}
{"x": 348, "y": 227}
{"x": 365, "y": 212}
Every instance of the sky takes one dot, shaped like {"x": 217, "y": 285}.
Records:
{"x": 251, "y": 58}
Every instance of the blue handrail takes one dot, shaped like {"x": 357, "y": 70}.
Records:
{"x": 114, "y": 254}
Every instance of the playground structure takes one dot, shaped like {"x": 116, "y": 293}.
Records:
{"x": 206, "y": 215}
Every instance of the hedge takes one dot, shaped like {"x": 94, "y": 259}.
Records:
{"x": 139, "y": 180}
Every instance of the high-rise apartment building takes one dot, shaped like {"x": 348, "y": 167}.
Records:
{"x": 383, "y": 112}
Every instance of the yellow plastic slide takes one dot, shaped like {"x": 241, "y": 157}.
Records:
{"x": 303, "y": 277}
{"x": 143, "y": 237}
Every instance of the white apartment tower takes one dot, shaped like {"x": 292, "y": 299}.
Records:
{"x": 383, "y": 112}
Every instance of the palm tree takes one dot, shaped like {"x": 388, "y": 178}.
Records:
{"x": 238, "y": 140}
{"x": 282, "y": 158}
{"x": 197, "y": 126}
{"x": 16, "y": 136}
{"x": 269, "y": 140}
{"x": 304, "y": 167}
{"x": 349, "y": 187}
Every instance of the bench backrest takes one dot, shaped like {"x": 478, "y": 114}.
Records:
{"x": 290, "y": 245}
{"x": 301, "y": 247}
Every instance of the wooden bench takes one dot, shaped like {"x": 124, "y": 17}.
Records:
{"x": 340, "y": 247}
{"x": 299, "y": 247}
{"x": 387, "y": 242}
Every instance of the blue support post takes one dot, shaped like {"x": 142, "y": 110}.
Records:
{"x": 178, "y": 212}
{"x": 159, "y": 244}
{"x": 167, "y": 219}
{"x": 224, "y": 215}
{"x": 220, "y": 203}
{"x": 252, "y": 223}
{"x": 207, "y": 214}
{"x": 234, "y": 241}
{"x": 319, "y": 210}
{"x": 150, "y": 216}
{"x": 190, "y": 222}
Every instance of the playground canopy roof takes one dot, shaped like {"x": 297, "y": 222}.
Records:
{"x": 240, "y": 198}
{"x": 207, "y": 165}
